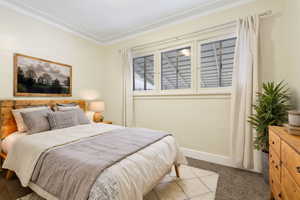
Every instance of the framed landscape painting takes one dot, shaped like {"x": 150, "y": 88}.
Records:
{"x": 39, "y": 77}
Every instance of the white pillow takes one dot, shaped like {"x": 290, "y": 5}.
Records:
{"x": 19, "y": 119}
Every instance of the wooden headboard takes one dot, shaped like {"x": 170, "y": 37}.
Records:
{"x": 7, "y": 121}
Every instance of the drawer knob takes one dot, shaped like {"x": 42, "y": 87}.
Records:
{"x": 279, "y": 195}
{"x": 298, "y": 169}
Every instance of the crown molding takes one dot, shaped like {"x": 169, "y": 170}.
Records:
{"x": 156, "y": 26}
{"x": 207, "y": 8}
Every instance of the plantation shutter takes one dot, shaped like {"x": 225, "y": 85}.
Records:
{"x": 217, "y": 63}
{"x": 176, "y": 69}
{"x": 143, "y": 76}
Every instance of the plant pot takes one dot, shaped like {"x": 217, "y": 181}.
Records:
{"x": 265, "y": 165}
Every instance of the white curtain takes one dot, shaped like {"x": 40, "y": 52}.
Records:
{"x": 245, "y": 87}
{"x": 127, "y": 69}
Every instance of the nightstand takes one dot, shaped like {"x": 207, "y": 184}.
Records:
{"x": 9, "y": 173}
{"x": 105, "y": 122}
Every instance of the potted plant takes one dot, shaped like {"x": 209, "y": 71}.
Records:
{"x": 271, "y": 108}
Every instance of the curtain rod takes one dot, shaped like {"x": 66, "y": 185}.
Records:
{"x": 195, "y": 33}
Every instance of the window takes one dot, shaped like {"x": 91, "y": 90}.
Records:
{"x": 176, "y": 69}
{"x": 143, "y": 73}
{"x": 195, "y": 66}
{"x": 216, "y": 63}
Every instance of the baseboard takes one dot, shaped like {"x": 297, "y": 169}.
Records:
{"x": 212, "y": 158}
{"x": 209, "y": 157}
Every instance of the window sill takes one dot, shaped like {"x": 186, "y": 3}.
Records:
{"x": 203, "y": 93}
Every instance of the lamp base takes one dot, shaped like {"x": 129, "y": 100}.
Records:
{"x": 98, "y": 117}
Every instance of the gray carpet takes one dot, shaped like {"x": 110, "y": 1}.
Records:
{"x": 233, "y": 184}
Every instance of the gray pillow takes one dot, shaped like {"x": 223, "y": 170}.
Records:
{"x": 82, "y": 118}
{"x": 64, "y": 108}
{"x": 60, "y": 106}
{"x": 67, "y": 104}
{"x": 36, "y": 121}
{"x": 58, "y": 120}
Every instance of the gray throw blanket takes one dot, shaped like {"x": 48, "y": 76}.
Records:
{"x": 69, "y": 172}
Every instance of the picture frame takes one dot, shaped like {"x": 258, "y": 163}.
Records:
{"x": 36, "y": 77}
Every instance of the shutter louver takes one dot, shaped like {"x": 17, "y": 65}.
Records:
{"x": 176, "y": 69}
{"x": 217, "y": 63}
{"x": 143, "y": 73}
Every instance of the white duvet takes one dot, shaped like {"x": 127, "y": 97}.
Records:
{"x": 128, "y": 179}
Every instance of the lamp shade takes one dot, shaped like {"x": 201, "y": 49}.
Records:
{"x": 96, "y": 106}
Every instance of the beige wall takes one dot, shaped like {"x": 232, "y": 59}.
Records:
{"x": 280, "y": 48}
{"x": 291, "y": 33}
{"x": 25, "y": 35}
{"x": 199, "y": 123}
{"x": 202, "y": 122}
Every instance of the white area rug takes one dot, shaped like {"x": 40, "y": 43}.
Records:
{"x": 194, "y": 184}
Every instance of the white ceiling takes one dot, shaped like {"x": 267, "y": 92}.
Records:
{"x": 108, "y": 21}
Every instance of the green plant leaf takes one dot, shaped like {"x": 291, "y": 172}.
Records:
{"x": 271, "y": 108}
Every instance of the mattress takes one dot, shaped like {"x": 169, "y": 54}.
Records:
{"x": 128, "y": 179}
{"x": 8, "y": 142}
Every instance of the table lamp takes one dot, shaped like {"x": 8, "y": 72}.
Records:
{"x": 98, "y": 107}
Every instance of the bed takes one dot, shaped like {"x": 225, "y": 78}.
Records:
{"x": 88, "y": 161}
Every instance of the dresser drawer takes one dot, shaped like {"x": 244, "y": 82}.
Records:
{"x": 275, "y": 165}
{"x": 291, "y": 160}
{"x": 275, "y": 187}
{"x": 290, "y": 190}
{"x": 274, "y": 142}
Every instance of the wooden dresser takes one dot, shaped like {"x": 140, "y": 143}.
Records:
{"x": 284, "y": 164}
